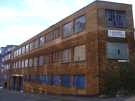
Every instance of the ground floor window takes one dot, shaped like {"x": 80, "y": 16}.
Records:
{"x": 79, "y": 81}
{"x": 66, "y": 81}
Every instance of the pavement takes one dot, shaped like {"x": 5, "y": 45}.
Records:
{"x": 6, "y": 95}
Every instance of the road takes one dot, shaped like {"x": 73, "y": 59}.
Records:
{"x": 17, "y": 96}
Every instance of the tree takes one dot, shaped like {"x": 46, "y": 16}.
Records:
{"x": 119, "y": 79}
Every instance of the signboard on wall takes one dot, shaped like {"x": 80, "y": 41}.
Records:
{"x": 116, "y": 33}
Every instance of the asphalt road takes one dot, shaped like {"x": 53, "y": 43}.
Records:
{"x": 17, "y": 96}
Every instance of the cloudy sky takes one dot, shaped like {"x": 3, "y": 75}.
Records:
{"x": 22, "y": 19}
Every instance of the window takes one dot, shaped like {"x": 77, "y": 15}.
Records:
{"x": 36, "y": 43}
{"x": 68, "y": 29}
{"x": 66, "y": 56}
{"x": 50, "y": 79}
{"x": 42, "y": 41}
{"x": 41, "y": 60}
{"x": 27, "y": 48}
{"x": 30, "y": 62}
{"x": 26, "y": 62}
{"x": 36, "y": 61}
{"x": 57, "y": 57}
{"x": 66, "y": 81}
{"x": 31, "y": 46}
{"x": 19, "y": 64}
{"x": 16, "y": 64}
{"x": 56, "y": 80}
{"x": 117, "y": 50}
{"x": 80, "y": 24}
{"x": 79, "y": 81}
{"x": 20, "y": 51}
{"x": 45, "y": 79}
{"x": 23, "y": 49}
{"x": 80, "y": 53}
{"x": 56, "y": 33}
{"x": 50, "y": 61}
{"x": 115, "y": 18}
{"x": 23, "y": 62}
{"x": 46, "y": 61}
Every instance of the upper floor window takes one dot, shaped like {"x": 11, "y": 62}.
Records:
{"x": 117, "y": 50}
{"x": 36, "y": 43}
{"x": 68, "y": 29}
{"x": 26, "y": 62}
{"x": 115, "y": 18}
{"x": 46, "y": 59}
{"x": 27, "y": 48}
{"x": 19, "y": 64}
{"x": 80, "y": 24}
{"x": 23, "y": 49}
{"x": 23, "y": 63}
{"x": 35, "y": 61}
{"x": 41, "y": 60}
{"x": 66, "y": 56}
{"x": 57, "y": 57}
{"x": 56, "y": 33}
{"x": 31, "y": 46}
{"x": 42, "y": 41}
{"x": 79, "y": 53}
{"x": 30, "y": 62}
{"x": 20, "y": 51}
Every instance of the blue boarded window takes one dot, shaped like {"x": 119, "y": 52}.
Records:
{"x": 66, "y": 81}
{"x": 44, "y": 79}
{"x": 115, "y": 18}
{"x": 79, "y": 81}
{"x": 56, "y": 80}
{"x": 50, "y": 80}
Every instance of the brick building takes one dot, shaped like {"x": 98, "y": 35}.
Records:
{"x": 67, "y": 57}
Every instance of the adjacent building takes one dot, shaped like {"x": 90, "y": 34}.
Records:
{"x": 5, "y": 54}
{"x": 67, "y": 57}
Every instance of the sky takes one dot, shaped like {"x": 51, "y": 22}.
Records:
{"x": 22, "y": 19}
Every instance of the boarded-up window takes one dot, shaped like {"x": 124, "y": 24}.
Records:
{"x": 65, "y": 81}
{"x": 115, "y": 18}
{"x": 117, "y": 50}
{"x": 56, "y": 80}
{"x": 79, "y": 81}
{"x": 80, "y": 53}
